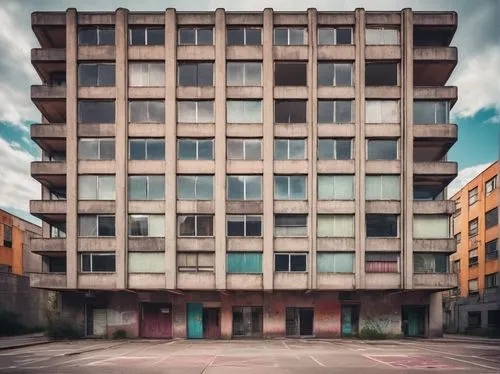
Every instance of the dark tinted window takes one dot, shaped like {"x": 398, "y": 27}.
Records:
{"x": 290, "y": 111}
{"x": 290, "y": 74}
{"x": 491, "y": 218}
{"x": 106, "y": 226}
{"x": 381, "y": 225}
{"x": 381, "y": 74}
{"x": 90, "y": 111}
{"x": 382, "y": 149}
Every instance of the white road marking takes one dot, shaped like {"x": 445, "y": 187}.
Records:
{"x": 318, "y": 362}
{"x": 473, "y": 363}
{"x": 379, "y": 361}
{"x": 286, "y": 345}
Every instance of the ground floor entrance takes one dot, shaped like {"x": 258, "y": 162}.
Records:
{"x": 247, "y": 321}
{"x": 414, "y": 320}
{"x": 156, "y": 320}
{"x": 95, "y": 321}
{"x": 202, "y": 322}
{"x": 299, "y": 322}
{"x": 350, "y": 320}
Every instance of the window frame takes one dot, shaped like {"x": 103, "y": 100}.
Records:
{"x": 228, "y": 176}
{"x": 334, "y": 179}
{"x": 148, "y": 103}
{"x": 476, "y": 289}
{"x": 379, "y": 260}
{"x": 7, "y": 232}
{"x": 196, "y": 268}
{"x": 288, "y": 140}
{"x": 195, "y": 198}
{"x": 473, "y": 257}
{"x": 290, "y": 255}
{"x": 197, "y": 75}
{"x": 384, "y": 41}
{"x": 146, "y": 34}
{"x": 374, "y": 141}
{"x": 148, "y": 186}
{"x": 398, "y": 229}
{"x": 196, "y": 29}
{"x": 149, "y": 70}
{"x": 245, "y": 220}
{"x": 91, "y": 256}
{"x": 83, "y": 102}
{"x": 492, "y": 284}
{"x": 334, "y": 141}
{"x": 98, "y": 66}
{"x": 380, "y": 120}
{"x": 147, "y": 216}
{"x": 196, "y": 216}
{"x": 490, "y": 185}
{"x": 97, "y": 219}
{"x": 334, "y": 255}
{"x": 245, "y": 116}
{"x": 146, "y": 148}
{"x": 334, "y": 80}
{"x": 197, "y": 117}
{"x": 98, "y": 30}
{"x": 97, "y": 177}
{"x": 382, "y": 195}
{"x": 244, "y": 64}
{"x": 244, "y": 28}
{"x": 288, "y": 28}
{"x": 334, "y": 217}
{"x": 289, "y": 215}
{"x": 473, "y": 194}
{"x": 490, "y": 222}
{"x": 289, "y": 187}
{"x": 98, "y": 141}
{"x": 197, "y": 141}
{"x": 244, "y": 146}
{"x": 491, "y": 254}
{"x": 435, "y": 104}
{"x": 335, "y": 34}
{"x": 242, "y": 253}
{"x": 334, "y": 103}
{"x": 474, "y": 231}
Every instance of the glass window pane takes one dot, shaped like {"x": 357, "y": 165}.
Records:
{"x": 186, "y": 111}
{"x": 156, "y": 187}
{"x": 325, "y": 149}
{"x": 88, "y": 149}
{"x": 106, "y": 187}
{"x": 343, "y": 111}
{"x": 186, "y": 225}
{"x": 205, "y": 111}
{"x": 204, "y": 187}
{"x": 441, "y": 112}
{"x": 235, "y": 111}
{"x": 87, "y": 187}
{"x": 87, "y": 226}
{"x": 280, "y": 36}
{"x": 298, "y": 187}
{"x": 103, "y": 263}
{"x": 297, "y": 149}
{"x": 156, "y": 35}
{"x": 382, "y": 149}
{"x": 235, "y": 149}
{"x": 381, "y": 225}
{"x": 205, "y": 74}
{"x": 235, "y": 36}
{"x": 137, "y": 36}
{"x": 343, "y": 149}
{"x": 187, "y": 74}
{"x": 325, "y": 74}
{"x": 138, "y": 111}
{"x": 280, "y": 149}
{"x": 156, "y": 225}
{"x": 86, "y": 266}
{"x": 156, "y": 111}
{"x": 87, "y": 36}
{"x": 205, "y": 36}
{"x": 326, "y": 36}
{"x": 253, "y": 188}
{"x": 156, "y": 76}
{"x": 106, "y": 75}
{"x": 137, "y": 149}
{"x": 106, "y": 225}
{"x": 344, "y": 35}
{"x": 235, "y": 187}
{"x": 253, "y": 75}
{"x": 325, "y": 111}
{"x": 144, "y": 262}
{"x": 253, "y": 226}
{"x": 186, "y": 187}
{"x": 187, "y": 149}
{"x": 106, "y": 149}
{"x": 253, "y": 111}
{"x": 204, "y": 226}
{"x": 155, "y": 149}
{"x": 253, "y": 149}
{"x": 235, "y": 71}
{"x": 280, "y": 187}
{"x": 205, "y": 149}
{"x": 297, "y": 36}
{"x": 106, "y": 36}
{"x": 235, "y": 225}
{"x": 137, "y": 74}
{"x": 298, "y": 262}
{"x": 431, "y": 227}
{"x": 90, "y": 111}
{"x": 87, "y": 75}
{"x": 253, "y": 36}
{"x": 137, "y": 187}
{"x": 281, "y": 262}
{"x": 343, "y": 74}
{"x": 187, "y": 35}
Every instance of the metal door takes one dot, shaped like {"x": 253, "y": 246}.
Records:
{"x": 346, "y": 321}
{"x": 211, "y": 324}
{"x": 99, "y": 322}
{"x": 195, "y": 320}
{"x": 156, "y": 320}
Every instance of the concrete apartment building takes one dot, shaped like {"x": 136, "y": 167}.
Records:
{"x": 476, "y": 302}
{"x": 258, "y": 174}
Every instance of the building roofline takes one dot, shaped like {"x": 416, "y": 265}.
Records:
{"x": 495, "y": 163}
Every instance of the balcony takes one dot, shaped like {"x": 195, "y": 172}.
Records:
{"x": 49, "y": 281}
{"x": 51, "y": 174}
{"x": 432, "y": 66}
{"x": 48, "y": 61}
{"x": 447, "y": 93}
{"x": 434, "y": 176}
{"x": 435, "y": 281}
{"x": 50, "y": 101}
{"x": 49, "y": 137}
{"x": 51, "y": 211}
{"x": 434, "y": 245}
{"x": 432, "y": 142}
{"x": 49, "y": 28}
{"x": 48, "y": 246}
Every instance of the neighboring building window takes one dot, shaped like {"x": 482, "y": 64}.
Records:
{"x": 146, "y": 111}
{"x": 289, "y": 149}
{"x": 195, "y": 111}
{"x": 385, "y": 149}
{"x": 456, "y": 266}
{"x": 195, "y": 149}
{"x": 289, "y": 36}
{"x": 245, "y": 225}
{"x": 382, "y": 225}
{"x": 146, "y": 187}
{"x": 458, "y": 238}
{"x": 244, "y": 74}
{"x": 244, "y": 36}
{"x": 151, "y": 35}
{"x": 290, "y": 111}
{"x": 290, "y": 225}
{"x": 195, "y": 225}
{"x": 244, "y": 149}
{"x": 96, "y": 35}
{"x": 473, "y": 228}
{"x": 473, "y": 196}
{"x": 146, "y": 149}
{"x": 335, "y": 111}
{"x": 491, "y": 249}
{"x": 491, "y": 280}
{"x": 328, "y": 262}
{"x": 57, "y": 232}
{"x": 473, "y": 287}
{"x": 96, "y": 225}
{"x": 430, "y": 112}
{"x": 335, "y": 225}
{"x": 381, "y": 73}
{"x": 334, "y": 149}
{"x": 473, "y": 257}
{"x": 244, "y": 262}
{"x": 97, "y": 263}
{"x": 244, "y": 187}
{"x": 98, "y": 74}
{"x": 382, "y": 111}
{"x": 334, "y": 74}
{"x": 146, "y": 262}
{"x": 152, "y": 225}
{"x": 494, "y": 318}
{"x": 335, "y": 187}
{"x": 56, "y": 264}
{"x": 381, "y": 35}
{"x": 290, "y": 187}
{"x": 430, "y": 263}
{"x": 382, "y": 187}
{"x": 96, "y": 111}
{"x": 289, "y": 262}
{"x": 195, "y": 187}
{"x": 244, "y": 111}
{"x": 196, "y": 36}
{"x": 381, "y": 262}
{"x": 431, "y": 226}
{"x": 144, "y": 74}
{"x": 288, "y": 73}
{"x": 195, "y": 262}
{"x": 200, "y": 74}
{"x": 334, "y": 36}
{"x": 491, "y": 185}
{"x": 473, "y": 318}
{"x": 96, "y": 187}
{"x": 7, "y": 236}
{"x": 491, "y": 218}
{"x": 96, "y": 149}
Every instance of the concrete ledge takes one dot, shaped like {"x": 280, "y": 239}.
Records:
{"x": 244, "y": 167}
{"x": 244, "y": 52}
{"x": 196, "y": 280}
{"x": 193, "y": 92}
{"x": 48, "y": 280}
{"x": 324, "y": 244}
{"x": 147, "y": 167}
{"x": 146, "y": 52}
{"x": 244, "y": 207}
{"x": 383, "y": 206}
{"x": 327, "y": 92}
{"x": 195, "y": 167}
{"x": 287, "y": 92}
{"x": 383, "y": 244}
{"x": 290, "y": 281}
{"x": 239, "y": 243}
{"x": 291, "y": 52}
{"x": 146, "y": 281}
{"x": 435, "y": 281}
{"x": 196, "y": 206}
{"x": 336, "y": 206}
{"x": 250, "y": 130}
{"x": 97, "y": 244}
{"x": 292, "y": 130}
{"x": 244, "y": 281}
{"x": 195, "y": 52}
{"x": 97, "y": 281}
{"x": 328, "y": 130}
{"x": 96, "y": 167}
{"x": 96, "y": 52}
{"x": 382, "y": 281}
{"x": 146, "y": 207}
{"x": 336, "y": 166}
{"x": 206, "y": 244}
{"x": 291, "y": 167}
{"x": 336, "y": 52}
{"x": 146, "y": 93}
{"x": 434, "y": 245}
{"x": 291, "y": 206}
{"x": 383, "y": 52}
{"x": 146, "y": 244}
{"x": 291, "y": 244}
{"x": 96, "y": 206}
{"x": 383, "y": 167}
{"x": 335, "y": 281}
{"x": 246, "y": 92}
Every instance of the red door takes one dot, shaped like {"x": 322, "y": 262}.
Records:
{"x": 211, "y": 325}
{"x": 156, "y": 320}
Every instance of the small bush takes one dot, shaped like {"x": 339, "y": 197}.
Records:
{"x": 10, "y": 324}
{"x": 370, "y": 333}
{"x": 120, "y": 334}
{"x": 58, "y": 328}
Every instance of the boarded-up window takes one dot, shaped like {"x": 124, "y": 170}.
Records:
{"x": 431, "y": 227}
{"x": 146, "y": 262}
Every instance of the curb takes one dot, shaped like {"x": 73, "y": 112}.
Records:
{"x": 26, "y": 345}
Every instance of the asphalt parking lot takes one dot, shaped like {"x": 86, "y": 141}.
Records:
{"x": 253, "y": 356}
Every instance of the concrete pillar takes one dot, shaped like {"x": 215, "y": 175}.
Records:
{"x": 436, "y": 315}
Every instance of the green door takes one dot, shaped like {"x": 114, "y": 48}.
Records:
{"x": 346, "y": 321}
{"x": 415, "y": 322}
{"x": 195, "y": 320}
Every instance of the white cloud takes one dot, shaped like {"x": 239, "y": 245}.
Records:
{"x": 465, "y": 176}
{"x": 495, "y": 119}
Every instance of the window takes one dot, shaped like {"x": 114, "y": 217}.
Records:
{"x": 491, "y": 249}
{"x": 244, "y": 149}
{"x": 146, "y": 149}
{"x": 195, "y": 74}
{"x": 473, "y": 228}
{"x": 289, "y": 36}
{"x": 382, "y": 149}
{"x": 244, "y": 36}
{"x": 56, "y": 264}
{"x": 473, "y": 318}
{"x": 342, "y": 262}
{"x": 195, "y": 225}
{"x": 290, "y": 187}
{"x": 58, "y": 232}
{"x": 244, "y": 187}
{"x": 381, "y": 35}
{"x": 430, "y": 263}
{"x": 7, "y": 236}
{"x": 491, "y": 280}
{"x": 96, "y": 225}
{"x": 96, "y": 187}
{"x": 288, "y": 262}
{"x": 491, "y": 185}
{"x": 335, "y": 187}
{"x": 152, "y": 225}
{"x": 244, "y": 262}
{"x": 244, "y": 111}
{"x": 290, "y": 73}
{"x": 382, "y": 225}
{"x": 195, "y": 262}
{"x": 97, "y": 263}
{"x": 473, "y": 286}
{"x": 195, "y": 111}
{"x": 473, "y": 257}
{"x": 382, "y": 187}
{"x": 334, "y": 149}
{"x": 290, "y": 111}
{"x": 146, "y": 187}
{"x": 151, "y": 35}
{"x": 335, "y": 226}
{"x": 491, "y": 218}
{"x": 382, "y": 262}
{"x": 333, "y": 36}
{"x": 334, "y": 74}
{"x": 146, "y": 262}
{"x": 290, "y": 225}
{"x": 382, "y": 111}
{"x": 430, "y": 112}
{"x": 96, "y": 149}
{"x": 246, "y": 225}
{"x": 100, "y": 74}
{"x": 143, "y": 74}
{"x": 195, "y": 149}
{"x": 92, "y": 111}
{"x": 196, "y": 36}
{"x": 381, "y": 74}
{"x": 458, "y": 238}
{"x": 195, "y": 187}
{"x": 96, "y": 35}
{"x": 339, "y": 111}
{"x": 289, "y": 149}
{"x": 147, "y": 111}
{"x": 456, "y": 266}
{"x": 244, "y": 73}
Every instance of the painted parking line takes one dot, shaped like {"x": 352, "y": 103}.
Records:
{"x": 410, "y": 361}
{"x": 317, "y": 361}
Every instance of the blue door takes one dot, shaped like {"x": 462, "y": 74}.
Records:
{"x": 195, "y": 320}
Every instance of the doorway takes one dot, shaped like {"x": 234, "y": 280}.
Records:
{"x": 247, "y": 321}
{"x": 156, "y": 320}
{"x": 350, "y": 320}
{"x": 211, "y": 323}
{"x": 413, "y": 319}
{"x": 96, "y": 321}
{"x": 202, "y": 322}
{"x": 299, "y": 322}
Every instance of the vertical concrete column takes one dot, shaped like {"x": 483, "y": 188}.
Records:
{"x": 121, "y": 139}
{"x": 71, "y": 149}
{"x": 359, "y": 148}
{"x": 220, "y": 149}
{"x": 436, "y": 315}
{"x": 268, "y": 144}
{"x": 312, "y": 139}
{"x": 171, "y": 148}
{"x": 406, "y": 146}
